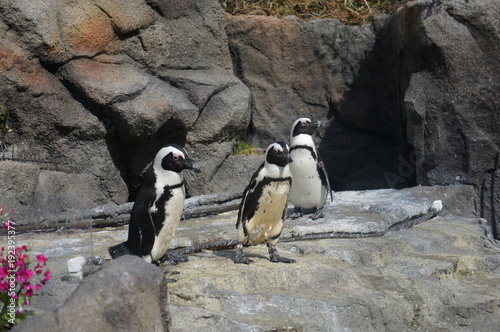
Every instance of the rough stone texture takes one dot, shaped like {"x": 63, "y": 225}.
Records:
{"x": 239, "y": 169}
{"x": 127, "y": 294}
{"x": 410, "y": 99}
{"x": 329, "y": 72}
{"x": 453, "y": 95}
{"x": 443, "y": 274}
{"x": 97, "y": 87}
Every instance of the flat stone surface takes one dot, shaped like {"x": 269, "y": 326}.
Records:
{"x": 443, "y": 274}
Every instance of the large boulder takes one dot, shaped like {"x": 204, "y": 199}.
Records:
{"x": 127, "y": 294}
{"x": 452, "y": 98}
{"x": 95, "y": 88}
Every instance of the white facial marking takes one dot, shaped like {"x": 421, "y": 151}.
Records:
{"x": 165, "y": 151}
{"x": 301, "y": 120}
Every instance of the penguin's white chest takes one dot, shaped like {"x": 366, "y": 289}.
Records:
{"x": 173, "y": 214}
{"x": 307, "y": 190}
{"x": 267, "y": 221}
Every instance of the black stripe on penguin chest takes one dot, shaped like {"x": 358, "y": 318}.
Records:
{"x": 263, "y": 194}
{"x": 161, "y": 214}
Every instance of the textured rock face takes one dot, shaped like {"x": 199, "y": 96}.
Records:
{"x": 410, "y": 99}
{"x": 128, "y": 294}
{"x": 453, "y": 95}
{"x": 330, "y": 72}
{"x": 95, "y": 88}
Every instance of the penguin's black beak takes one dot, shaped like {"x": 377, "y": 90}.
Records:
{"x": 310, "y": 127}
{"x": 190, "y": 164}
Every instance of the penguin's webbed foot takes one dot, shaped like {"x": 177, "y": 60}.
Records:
{"x": 318, "y": 214}
{"x": 119, "y": 250}
{"x": 240, "y": 258}
{"x": 297, "y": 213}
{"x": 174, "y": 258}
{"x": 276, "y": 258}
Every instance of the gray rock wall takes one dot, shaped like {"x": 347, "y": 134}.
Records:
{"x": 411, "y": 99}
{"x": 453, "y": 95}
{"x": 95, "y": 88}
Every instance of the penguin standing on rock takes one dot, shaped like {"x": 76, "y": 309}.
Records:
{"x": 158, "y": 207}
{"x": 263, "y": 206}
{"x": 310, "y": 181}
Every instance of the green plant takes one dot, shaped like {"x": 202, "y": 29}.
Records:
{"x": 244, "y": 149}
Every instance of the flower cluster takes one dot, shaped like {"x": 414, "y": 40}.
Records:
{"x": 17, "y": 280}
{"x": 5, "y": 218}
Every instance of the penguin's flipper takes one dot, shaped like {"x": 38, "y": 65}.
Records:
{"x": 147, "y": 234}
{"x": 249, "y": 201}
{"x": 324, "y": 176}
{"x": 141, "y": 231}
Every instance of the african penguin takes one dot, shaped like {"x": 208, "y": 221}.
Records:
{"x": 310, "y": 181}
{"x": 263, "y": 206}
{"x": 158, "y": 207}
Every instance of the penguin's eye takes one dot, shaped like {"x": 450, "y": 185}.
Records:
{"x": 176, "y": 157}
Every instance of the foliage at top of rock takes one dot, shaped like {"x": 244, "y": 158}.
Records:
{"x": 350, "y": 12}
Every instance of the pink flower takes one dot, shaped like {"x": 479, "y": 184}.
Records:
{"x": 47, "y": 275}
{"x": 28, "y": 289}
{"x": 28, "y": 279}
{"x": 24, "y": 275}
{"x": 41, "y": 259}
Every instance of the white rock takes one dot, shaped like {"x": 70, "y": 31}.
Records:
{"x": 75, "y": 266}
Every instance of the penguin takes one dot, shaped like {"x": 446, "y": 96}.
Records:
{"x": 157, "y": 210}
{"x": 310, "y": 181}
{"x": 264, "y": 204}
